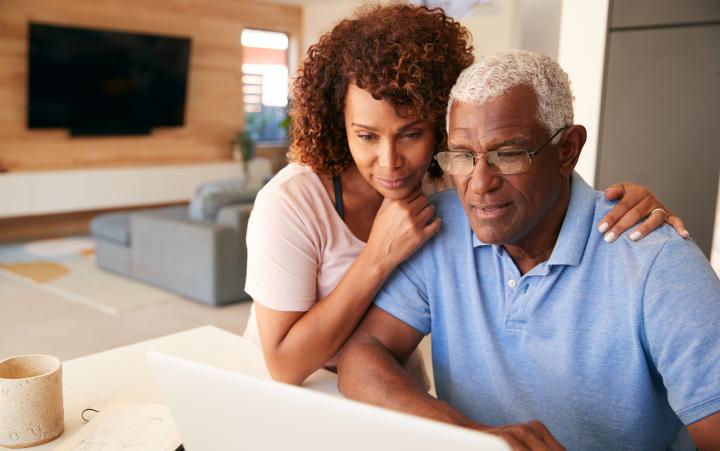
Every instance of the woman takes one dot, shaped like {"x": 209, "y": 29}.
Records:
{"x": 368, "y": 116}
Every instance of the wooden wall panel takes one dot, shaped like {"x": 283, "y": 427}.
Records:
{"x": 57, "y": 225}
{"x": 214, "y": 103}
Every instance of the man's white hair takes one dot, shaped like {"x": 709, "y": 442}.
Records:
{"x": 492, "y": 76}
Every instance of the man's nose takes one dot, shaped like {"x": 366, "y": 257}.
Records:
{"x": 388, "y": 157}
{"x": 482, "y": 178}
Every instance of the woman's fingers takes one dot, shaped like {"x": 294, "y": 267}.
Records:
{"x": 636, "y": 202}
{"x": 432, "y": 228}
{"x": 677, "y": 223}
{"x": 427, "y": 222}
{"x": 425, "y": 214}
{"x": 628, "y": 213}
{"x": 627, "y": 201}
{"x": 615, "y": 191}
{"x": 655, "y": 220}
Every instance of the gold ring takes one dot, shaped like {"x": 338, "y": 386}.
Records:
{"x": 665, "y": 215}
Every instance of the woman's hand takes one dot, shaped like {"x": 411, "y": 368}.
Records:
{"x": 400, "y": 228}
{"x": 635, "y": 203}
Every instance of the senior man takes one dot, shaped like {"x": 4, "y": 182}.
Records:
{"x": 542, "y": 333}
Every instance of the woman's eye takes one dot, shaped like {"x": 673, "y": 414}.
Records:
{"x": 412, "y": 135}
{"x": 366, "y": 137}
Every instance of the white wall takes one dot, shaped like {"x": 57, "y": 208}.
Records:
{"x": 494, "y": 27}
{"x": 581, "y": 53}
{"x": 319, "y": 17}
{"x": 539, "y": 25}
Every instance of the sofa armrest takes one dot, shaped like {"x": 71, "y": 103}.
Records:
{"x": 200, "y": 260}
{"x": 236, "y": 216}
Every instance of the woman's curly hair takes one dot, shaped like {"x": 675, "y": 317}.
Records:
{"x": 407, "y": 55}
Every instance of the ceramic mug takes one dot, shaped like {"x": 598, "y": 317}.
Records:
{"x": 31, "y": 403}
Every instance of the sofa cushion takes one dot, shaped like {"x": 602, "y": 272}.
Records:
{"x": 210, "y": 197}
{"x": 113, "y": 227}
{"x": 175, "y": 213}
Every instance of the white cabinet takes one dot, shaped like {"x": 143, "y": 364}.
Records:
{"x": 33, "y": 193}
{"x": 661, "y": 106}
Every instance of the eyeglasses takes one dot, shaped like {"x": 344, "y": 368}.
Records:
{"x": 502, "y": 161}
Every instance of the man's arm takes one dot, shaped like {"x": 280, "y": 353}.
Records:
{"x": 681, "y": 310}
{"x": 706, "y": 433}
{"x": 370, "y": 370}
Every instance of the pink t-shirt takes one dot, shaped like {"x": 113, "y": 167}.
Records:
{"x": 298, "y": 247}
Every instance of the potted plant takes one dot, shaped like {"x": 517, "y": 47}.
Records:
{"x": 243, "y": 147}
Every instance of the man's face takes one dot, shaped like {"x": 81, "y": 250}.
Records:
{"x": 505, "y": 209}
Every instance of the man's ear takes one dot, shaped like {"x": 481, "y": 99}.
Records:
{"x": 572, "y": 141}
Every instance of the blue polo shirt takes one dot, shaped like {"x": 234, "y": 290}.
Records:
{"x": 612, "y": 346}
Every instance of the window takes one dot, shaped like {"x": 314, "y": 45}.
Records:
{"x": 265, "y": 84}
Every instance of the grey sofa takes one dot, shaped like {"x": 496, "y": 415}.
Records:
{"x": 201, "y": 259}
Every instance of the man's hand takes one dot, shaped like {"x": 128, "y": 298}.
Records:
{"x": 527, "y": 436}
{"x": 369, "y": 370}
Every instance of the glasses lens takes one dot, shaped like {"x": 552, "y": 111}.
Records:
{"x": 508, "y": 162}
{"x": 456, "y": 163}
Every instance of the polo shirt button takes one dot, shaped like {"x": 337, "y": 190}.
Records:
{"x": 512, "y": 283}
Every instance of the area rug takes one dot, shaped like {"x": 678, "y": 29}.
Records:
{"x": 66, "y": 267}
{"x": 40, "y": 272}
{"x": 60, "y": 247}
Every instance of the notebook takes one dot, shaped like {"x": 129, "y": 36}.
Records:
{"x": 126, "y": 426}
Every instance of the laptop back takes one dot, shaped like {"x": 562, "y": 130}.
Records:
{"x": 215, "y": 409}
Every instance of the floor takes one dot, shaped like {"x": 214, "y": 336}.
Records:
{"x": 34, "y": 321}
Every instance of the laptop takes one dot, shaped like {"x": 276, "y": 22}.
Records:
{"x": 215, "y": 409}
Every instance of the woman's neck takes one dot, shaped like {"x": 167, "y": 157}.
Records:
{"x": 356, "y": 190}
{"x": 361, "y": 201}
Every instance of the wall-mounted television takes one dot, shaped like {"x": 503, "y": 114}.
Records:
{"x": 97, "y": 82}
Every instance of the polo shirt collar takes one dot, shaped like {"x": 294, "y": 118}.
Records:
{"x": 575, "y": 229}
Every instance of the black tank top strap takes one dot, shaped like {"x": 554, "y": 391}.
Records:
{"x": 337, "y": 186}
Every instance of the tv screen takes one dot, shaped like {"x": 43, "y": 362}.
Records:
{"x": 98, "y": 82}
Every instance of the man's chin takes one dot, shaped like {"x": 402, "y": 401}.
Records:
{"x": 492, "y": 234}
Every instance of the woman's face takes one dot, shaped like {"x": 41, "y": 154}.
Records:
{"x": 391, "y": 152}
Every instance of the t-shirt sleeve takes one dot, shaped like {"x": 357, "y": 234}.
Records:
{"x": 405, "y": 297}
{"x": 681, "y": 309}
{"x": 282, "y": 260}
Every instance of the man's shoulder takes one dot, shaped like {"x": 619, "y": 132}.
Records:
{"x": 451, "y": 212}
{"x": 661, "y": 249}
{"x": 448, "y": 206}
{"x": 455, "y": 233}
{"x": 650, "y": 244}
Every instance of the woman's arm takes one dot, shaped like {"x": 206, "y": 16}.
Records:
{"x": 636, "y": 202}
{"x": 295, "y": 344}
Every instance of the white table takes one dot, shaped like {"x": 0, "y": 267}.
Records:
{"x": 123, "y": 374}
